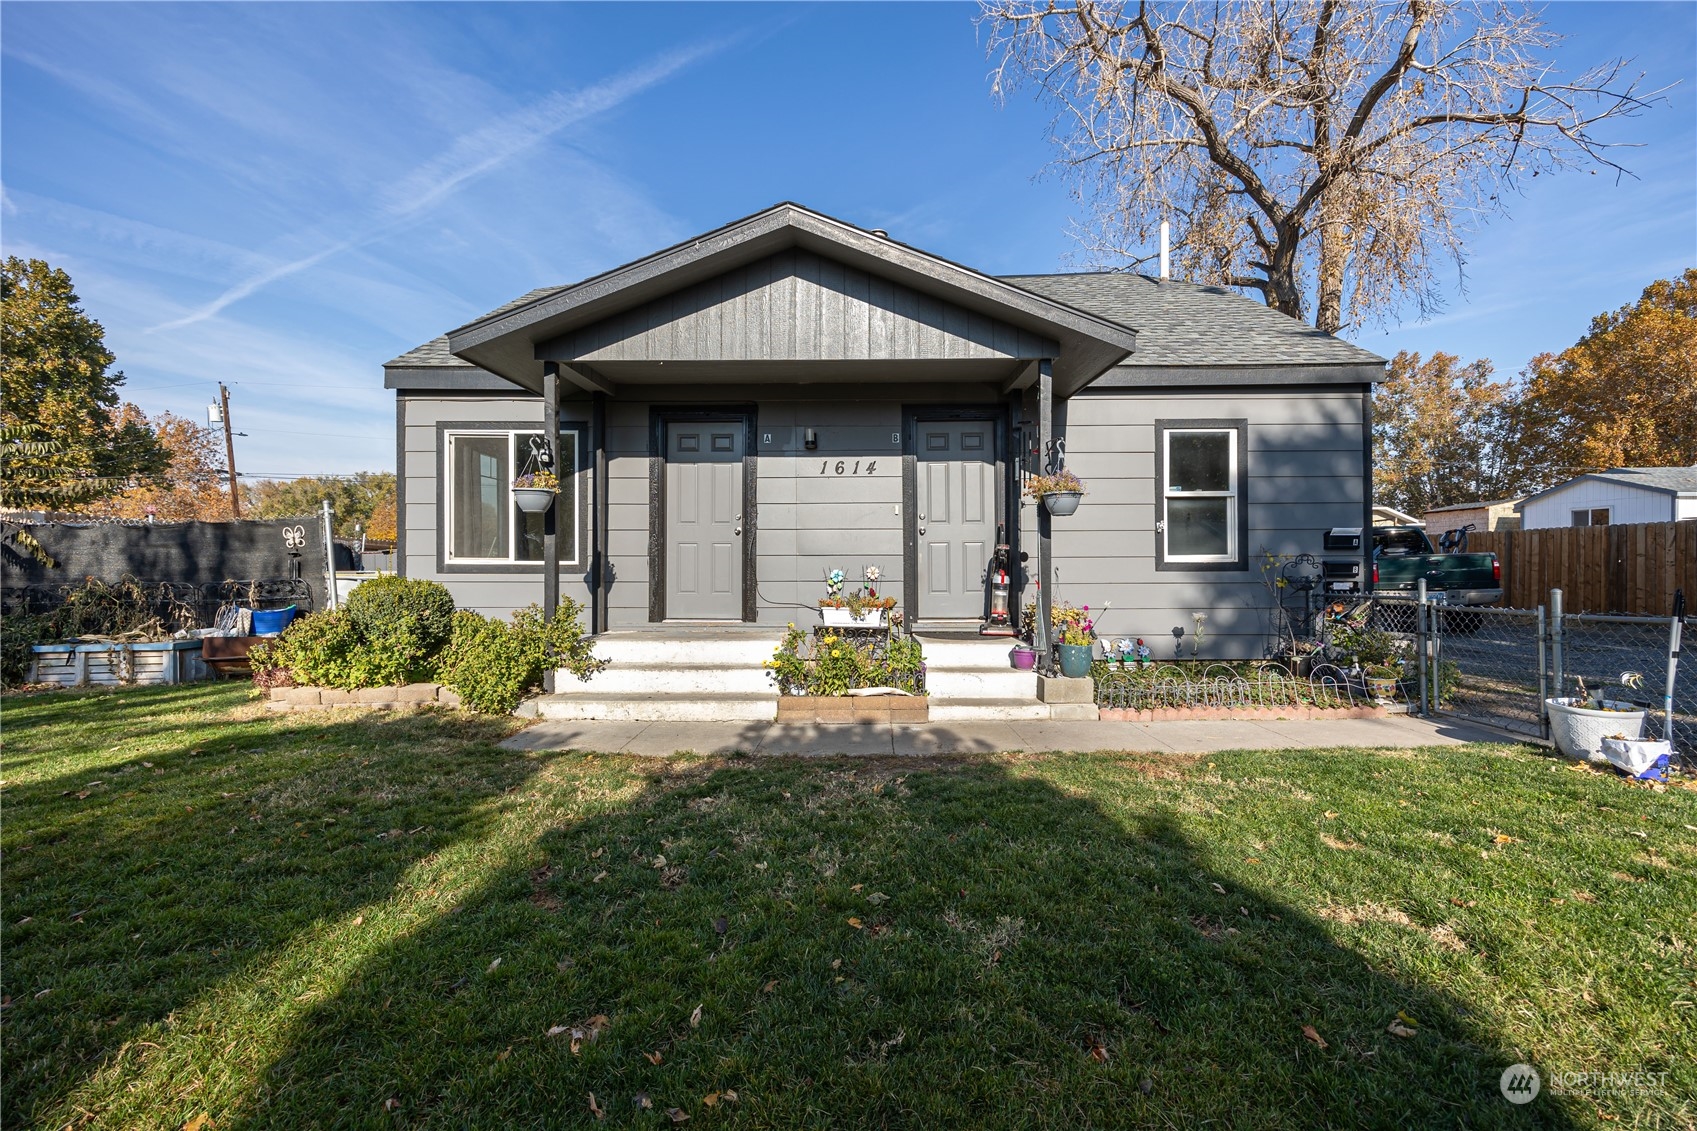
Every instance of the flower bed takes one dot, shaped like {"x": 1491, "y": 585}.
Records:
{"x": 1215, "y": 687}
{"x": 831, "y": 663}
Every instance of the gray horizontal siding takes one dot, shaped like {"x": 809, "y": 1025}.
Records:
{"x": 1304, "y": 461}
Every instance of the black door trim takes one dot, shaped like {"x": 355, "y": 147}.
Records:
{"x": 912, "y": 416}
{"x": 658, "y": 418}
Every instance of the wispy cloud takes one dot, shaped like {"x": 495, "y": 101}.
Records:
{"x": 470, "y": 156}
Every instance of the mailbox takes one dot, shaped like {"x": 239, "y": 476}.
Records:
{"x": 1342, "y": 539}
{"x": 1341, "y": 576}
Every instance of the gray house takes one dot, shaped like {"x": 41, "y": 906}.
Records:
{"x": 751, "y": 408}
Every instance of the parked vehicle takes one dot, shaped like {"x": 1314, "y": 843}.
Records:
{"x": 1402, "y": 555}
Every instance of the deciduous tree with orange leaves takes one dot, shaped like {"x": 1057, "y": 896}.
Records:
{"x": 1624, "y": 395}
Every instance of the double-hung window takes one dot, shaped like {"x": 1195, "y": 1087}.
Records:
{"x": 1201, "y": 524}
{"x": 485, "y": 527}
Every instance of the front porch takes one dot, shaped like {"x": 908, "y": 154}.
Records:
{"x": 687, "y": 673}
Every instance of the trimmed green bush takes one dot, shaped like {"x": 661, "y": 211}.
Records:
{"x": 326, "y": 650}
{"x": 404, "y": 620}
{"x": 493, "y": 664}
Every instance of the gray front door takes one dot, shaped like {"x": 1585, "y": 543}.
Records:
{"x": 956, "y": 523}
{"x": 704, "y": 520}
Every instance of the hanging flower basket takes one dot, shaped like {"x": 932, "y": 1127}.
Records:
{"x": 534, "y": 491}
{"x": 1059, "y": 491}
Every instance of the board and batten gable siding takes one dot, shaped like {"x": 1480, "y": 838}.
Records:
{"x": 1305, "y": 475}
{"x": 1627, "y": 503}
{"x": 492, "y": 593}
{"x": 798, "y": 306}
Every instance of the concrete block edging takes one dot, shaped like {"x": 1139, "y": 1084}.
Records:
{"x": 374, "y": 698}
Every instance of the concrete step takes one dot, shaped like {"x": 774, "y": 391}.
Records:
{"x": 989, "y": 654}
{"x": 967, "y": 710}
{"x": 629, "y": 678}
{"x": 696, "y": 707}
{"x": 742, "y": 650}
{"x": 979, "y": 683}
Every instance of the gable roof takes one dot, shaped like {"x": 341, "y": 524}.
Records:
{"x": 506, "y": 341}
{"x": 1188, "y": 324}
{"x": 1680, "y": 482}
{"x": 1133, "y": 327}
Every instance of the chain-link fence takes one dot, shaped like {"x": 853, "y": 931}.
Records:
{"x": 1491, "y": 665}
{"x": 1499, "y": 665}
{"x": 1627, "y": 659}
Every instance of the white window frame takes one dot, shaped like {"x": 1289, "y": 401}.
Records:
{"x": 570, "y": 481}
{"x": 1233, "y": 501}
{"x": 1590, "y": 514}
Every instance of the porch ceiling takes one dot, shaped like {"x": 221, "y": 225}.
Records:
{"x": 806, "y": 299}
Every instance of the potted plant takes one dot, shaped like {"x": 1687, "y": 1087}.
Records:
{"x": 1024, "y": 657}
{"x": 1579, "y": 723}
{"x": 534, "y": 491}
{"x": 862, "y": 608}
{"x": 1382, "y": 680}
{"x": 1075, "y": 631}
{"x": 1059, "y": 490}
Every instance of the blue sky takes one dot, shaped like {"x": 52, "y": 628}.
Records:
{"x": 285, "y": 196}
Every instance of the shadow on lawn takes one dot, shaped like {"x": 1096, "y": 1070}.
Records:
{"x": 1038, "y": 962}
{"x": 138, "y": 886}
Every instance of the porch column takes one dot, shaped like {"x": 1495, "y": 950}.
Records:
{"x": 1045, "y": 563}
{"x": 550, "y": 528}
{"x": 599, "y": 579}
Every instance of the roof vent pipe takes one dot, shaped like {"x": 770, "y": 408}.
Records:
{"x": 881, "y": 233}
{"x": 1164, "y": 260}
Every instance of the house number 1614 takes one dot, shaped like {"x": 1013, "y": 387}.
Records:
{"x": 842, "y": 467}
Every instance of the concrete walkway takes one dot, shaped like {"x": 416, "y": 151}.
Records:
{"x": 661, "y": 739}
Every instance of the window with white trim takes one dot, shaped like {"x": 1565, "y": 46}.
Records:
{"x": 1591, "y": 516}
{"x": 1201, "y": 493}
{"x": 484, "y": 525}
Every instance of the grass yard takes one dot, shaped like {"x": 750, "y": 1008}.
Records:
{"x": 363, "y": 920}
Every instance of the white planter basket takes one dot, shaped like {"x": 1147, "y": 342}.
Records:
{"x": 1638, "y": 757}
{"x": 1579, "y": 731}
{"x": 842, "y": 618}
{"x": 533, "y": 500}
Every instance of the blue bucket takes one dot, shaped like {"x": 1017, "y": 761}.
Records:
{"x": 271, "y": 622}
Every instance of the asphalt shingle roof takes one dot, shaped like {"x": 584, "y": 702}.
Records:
{"x": 1184, "y": 324}
{"x": 1177, "y": 324}
{"x": 1679, "y": 480}
{"x": 435, "y": 351}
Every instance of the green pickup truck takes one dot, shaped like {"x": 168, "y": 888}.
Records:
{"x": 1402, "y": 555}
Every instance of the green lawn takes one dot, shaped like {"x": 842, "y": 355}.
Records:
{"x": 362, "y": 920}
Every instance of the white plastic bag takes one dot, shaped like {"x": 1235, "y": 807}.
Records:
{"x": 1634, "y": 755}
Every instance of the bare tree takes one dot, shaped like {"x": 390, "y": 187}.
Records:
{"x": 1304, "y": 148}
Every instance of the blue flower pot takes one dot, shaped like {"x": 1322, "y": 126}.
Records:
{"x": 1075, "y": 660}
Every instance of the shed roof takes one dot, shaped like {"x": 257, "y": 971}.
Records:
{"x": 1680, "y": 482}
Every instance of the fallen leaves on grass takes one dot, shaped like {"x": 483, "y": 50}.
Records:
{"x": 770, "y": 986}
{"x": 677, "y": 1115}
{"x": 493, "y": 966}
{"x": 1584, "y": 897}
{"x": 595, "y": 1108}
{"x": 201, "y": 1122}
{"x": 1340, "y": 845}
{"x": 877, "y": 898}
{"x": 855, "y": 923}
{"x": 1504, "y": 838}
{"x": 643, "y": 1103}
{"x": 1313, "y": 1034}
{"x": 1098, "y": 1052}
{"x": 1398, "y": 1029}
{"x": 584, "y": 1032}
{"x": 654, "y": 1057}
{"x": 695, "y": 1018}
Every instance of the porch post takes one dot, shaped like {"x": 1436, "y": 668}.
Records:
{"x": 550, "y": 527}
{"x": 1045, "y": 563}
{"x": 598, "y": 512}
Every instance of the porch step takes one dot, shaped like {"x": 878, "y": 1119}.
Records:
{"x": 965, "y": 710}
{"x": 974, "y": 679}
{"x": 697, "y": 706}
{"x": 626, "y": 678}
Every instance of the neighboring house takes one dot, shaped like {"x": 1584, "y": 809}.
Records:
{"x": 1497, "y": 514}
{"x": 1614, "y": 497}
{"x": 742, "y": 412}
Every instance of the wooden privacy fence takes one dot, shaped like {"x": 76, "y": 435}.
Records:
{"x": 1631, "y": 569}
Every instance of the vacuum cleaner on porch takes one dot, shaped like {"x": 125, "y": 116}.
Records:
{"x": 999, "y": 622}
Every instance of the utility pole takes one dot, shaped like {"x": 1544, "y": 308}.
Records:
{"x": 229, "y": 450}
